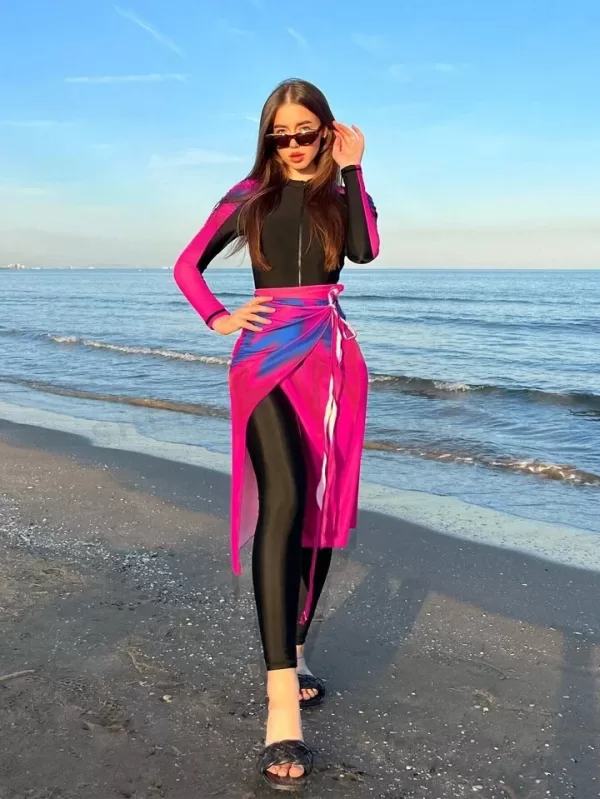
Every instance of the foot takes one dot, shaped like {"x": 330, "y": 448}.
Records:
{"x": 302, "y": 668}
{"x": 284, "y": 722}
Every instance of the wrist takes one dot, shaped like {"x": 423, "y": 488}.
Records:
{"x": 214, "y": 318}
{"x": 350, "y": 167}
{"x": 220, "y": 326}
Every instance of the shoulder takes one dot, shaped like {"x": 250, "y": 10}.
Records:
{"x": 228, "y": 207}
{"x": 240, "y": 191}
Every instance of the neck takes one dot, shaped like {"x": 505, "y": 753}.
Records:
{"x": 302, "y": 174}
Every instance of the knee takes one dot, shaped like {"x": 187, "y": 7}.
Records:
{"x": 284, "y": 505}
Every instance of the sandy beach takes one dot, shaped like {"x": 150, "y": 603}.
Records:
{"x": 130, "y": 661}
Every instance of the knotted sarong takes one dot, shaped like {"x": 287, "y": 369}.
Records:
{"x": 311, "y": 353}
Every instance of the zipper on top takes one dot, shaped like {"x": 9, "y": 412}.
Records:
{"x": 300, "y": 238}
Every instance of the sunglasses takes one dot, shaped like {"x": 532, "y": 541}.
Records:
{"x": 303, "y": 139}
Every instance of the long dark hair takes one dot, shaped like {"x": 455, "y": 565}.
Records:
{"x": 268, "y": 177}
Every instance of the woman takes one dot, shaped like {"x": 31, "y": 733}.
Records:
{"x": 298, "y": 383}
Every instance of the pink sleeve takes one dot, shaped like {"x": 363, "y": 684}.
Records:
{"x": 362, "y": 238}
{"x": 370, "y": 215}
{"x": 219, "y": 230}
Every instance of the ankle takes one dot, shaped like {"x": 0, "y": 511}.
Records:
{"x": 282, "y": 685}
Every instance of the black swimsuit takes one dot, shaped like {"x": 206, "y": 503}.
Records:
{"x": 280, "y": 565}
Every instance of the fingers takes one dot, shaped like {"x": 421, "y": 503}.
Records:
{"x": 351, "y": 135}
{"x": 254, "y": 317}
{"x": 344, "y": 136}
{"x": 359, "y": 134}
{"x": 257, "y": 303}
{"x": 247, "y": 317}
{"x": 348, "y": 133}
{"x": 251, "y": 313}
{"x": 249, "y": 326}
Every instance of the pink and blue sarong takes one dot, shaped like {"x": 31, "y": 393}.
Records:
{"x": 311, "y": 353}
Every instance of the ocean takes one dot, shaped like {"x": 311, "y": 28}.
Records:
{"x": 485, "y": 385}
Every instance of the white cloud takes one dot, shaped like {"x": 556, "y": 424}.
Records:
{"x": 232, "y": 30}
{"x": 28, "y": 123}
{"x": 192, "y": 157}
{"x": 302, "y": 41}
{"x": 373, "y": 44}
{"x": 444, "y": 68}
{"x": 400, "y": 73}
{"x": 151, "y": 30}
{"x": 153, "y": 77}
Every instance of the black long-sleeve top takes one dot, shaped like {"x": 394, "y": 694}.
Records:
{"x": 295, "y": 259}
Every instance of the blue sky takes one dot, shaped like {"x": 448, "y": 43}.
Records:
{"x": 122, "y": 124}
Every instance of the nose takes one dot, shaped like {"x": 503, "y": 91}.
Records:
{"x": 294, "y": 144}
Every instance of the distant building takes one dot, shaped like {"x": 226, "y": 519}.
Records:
{"x": 15, "y": 266}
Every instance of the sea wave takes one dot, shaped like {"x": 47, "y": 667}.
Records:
{"x": 440, "y": 389}
{"x": 516, "y": 325}
{"x": 581, "y": 402}
{"x": 431, "y": 299}
{"x": 549, "y": 471}
{"x": 194, "y": 408}
{"x": 125, "y": 349}
{"x": 565, "y": 473}
{"x": 159, "y": 352}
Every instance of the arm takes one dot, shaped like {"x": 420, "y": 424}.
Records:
{"x": 362, "y": 238}
{"x": 220, "y": 229}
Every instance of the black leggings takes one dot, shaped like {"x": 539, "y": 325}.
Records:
{"x": 280, "y": 564}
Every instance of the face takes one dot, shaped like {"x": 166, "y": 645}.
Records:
{"x": 296, "y": 119}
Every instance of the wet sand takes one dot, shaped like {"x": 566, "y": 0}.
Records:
{"x": 130, "y": 661}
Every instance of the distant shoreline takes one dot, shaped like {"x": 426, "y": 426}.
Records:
{"x": 347, "y": 267}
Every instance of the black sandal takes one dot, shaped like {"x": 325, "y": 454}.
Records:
{"x": 286, "y": 753}
{"x": 308, "y": 681}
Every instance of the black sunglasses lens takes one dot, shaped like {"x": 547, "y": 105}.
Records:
{"x": 283, "y": 140}
{"x": 308, "y": 137}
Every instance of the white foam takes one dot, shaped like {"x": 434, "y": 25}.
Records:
{"x": 555, "y": 542}
{"x": 172, "y": 354}
{"x": 115, "y": 435}
{"x": 448, "y": 515}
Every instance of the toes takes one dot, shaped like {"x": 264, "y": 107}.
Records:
{"x": 281, "y": 771}
{"x": 308, "y": 693}
{"x": 295, "y": 772}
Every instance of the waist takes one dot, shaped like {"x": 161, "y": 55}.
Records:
{"x": 326, "y": 293}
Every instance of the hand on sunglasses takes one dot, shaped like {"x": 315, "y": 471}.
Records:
{"x": 348, "y": 145}
{"x": 244, "y": 317}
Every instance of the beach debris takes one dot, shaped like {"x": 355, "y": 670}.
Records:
{"x": 14, "y": 674}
